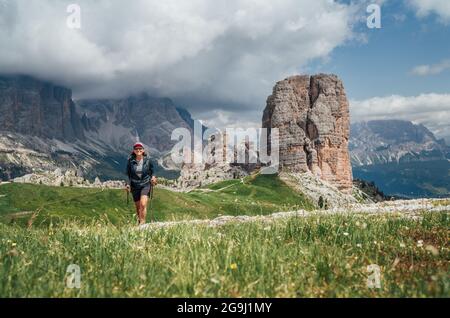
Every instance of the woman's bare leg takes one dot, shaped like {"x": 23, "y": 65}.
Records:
{"x": 138, "y": 210}
{"x": 143, "y": 209}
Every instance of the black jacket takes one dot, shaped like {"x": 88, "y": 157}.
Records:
{"x": 147, "y": 172}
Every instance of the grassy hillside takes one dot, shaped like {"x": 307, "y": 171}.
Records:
{"x": 261, "y": 194}
{"x": 317, "y": 256}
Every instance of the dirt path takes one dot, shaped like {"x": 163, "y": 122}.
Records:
{"x": 406, "y": 208}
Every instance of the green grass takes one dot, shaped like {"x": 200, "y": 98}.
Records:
{"x": 259, "y": 194}
{"x": 317, "y": 256}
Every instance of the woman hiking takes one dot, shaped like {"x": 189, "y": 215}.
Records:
{"x": 140, "y": 179}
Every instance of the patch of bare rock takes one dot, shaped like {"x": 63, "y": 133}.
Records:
{"x": 403, "y": 208}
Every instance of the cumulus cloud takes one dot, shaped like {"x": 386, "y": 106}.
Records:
{"x": 426, "y": 7}
{"x": 424, "y": 70}
{"x": 431, "y": 110}
{"x": 209, "y": 55}
{"x": 231, "y": 119}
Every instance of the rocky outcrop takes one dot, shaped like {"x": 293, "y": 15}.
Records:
{"x": 321, "y": 193}
{"x": 405, "y": 209}
{"x": 68, "y": 178}
{"x": 196, "y": 175}
{"x": 366, "y": 191}
{"x": 215, "y": 166}
{"x": 312, "y": 115}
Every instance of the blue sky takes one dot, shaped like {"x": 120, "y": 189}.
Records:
{"x": 379, "y": 72}
{"x": 383, "y": 65}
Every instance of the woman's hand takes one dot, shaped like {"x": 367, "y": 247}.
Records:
{"x": 154, "y": 181}
{"x": 127, "y": 188}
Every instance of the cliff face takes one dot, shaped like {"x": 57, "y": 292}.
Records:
{"x": 42, "y": 128}
{"x": 32, "y": 107}
{"x": 119, "y": 122}
{"x": 312, "y": 114}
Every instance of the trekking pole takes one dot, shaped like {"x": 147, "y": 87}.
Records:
{"x": 128, "y": 196}
{"x": 151, "y": 202}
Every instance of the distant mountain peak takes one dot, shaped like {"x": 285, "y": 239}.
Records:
{"x": 393, "y": 140}
{"x": 76, "y": 132}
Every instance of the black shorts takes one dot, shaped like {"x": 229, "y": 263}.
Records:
{"x": 137, "y": 193}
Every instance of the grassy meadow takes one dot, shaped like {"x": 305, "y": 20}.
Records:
{"x": 45, "y": 229}
{"x": 316, "y": 256}
{"x": 42, "y": 205}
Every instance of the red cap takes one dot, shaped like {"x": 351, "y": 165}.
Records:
{"x": 138, "y": 144}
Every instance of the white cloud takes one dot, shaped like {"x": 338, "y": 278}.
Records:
{"x": 229, "y": 52}
{"x": 431, "y": 110}
{"x": 222, "y": 119}
{"x": 424, "y": 70}
{"x": 426, "y": 7}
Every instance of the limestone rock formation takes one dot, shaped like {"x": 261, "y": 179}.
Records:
{"x": 68, "y": 178}
{"x": 38, "y": 108}
{"x": 317, "y": 190}
{"x": 117, "y": 122}
{"x": 215, "y": 166}
{"x": 42, "y": 128}
{"x": 312, "y": 114}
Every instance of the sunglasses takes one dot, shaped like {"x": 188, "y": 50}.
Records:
{"x": 139, "y": 149}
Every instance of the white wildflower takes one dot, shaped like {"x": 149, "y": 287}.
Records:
{"x": 433, "y": 250}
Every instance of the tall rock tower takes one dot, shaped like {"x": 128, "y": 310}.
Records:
{"x": 312, "y": 115}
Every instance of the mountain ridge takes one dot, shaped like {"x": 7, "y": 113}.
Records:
{"x": 44, "y": 128}
{"x": 385, "y": 141}
{"x": 402, "y": 158}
